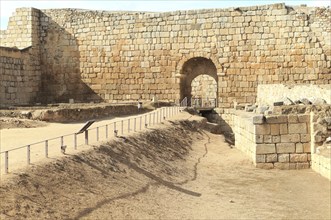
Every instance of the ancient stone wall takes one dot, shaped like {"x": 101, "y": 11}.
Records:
{"x": 121, "y": 56}
{"x": 277, "y": 141}
{"x": 204, "y": 86}
{"x": 19, "y": 84}
{"x": 117, "y": 56}
{"x": 20, "y": 75}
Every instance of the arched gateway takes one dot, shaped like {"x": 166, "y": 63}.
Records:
{"x": 198, "y": 82}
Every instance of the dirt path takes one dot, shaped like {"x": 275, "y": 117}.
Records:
{"x": 173, "y": 171}
{"x": 225, "y": 185}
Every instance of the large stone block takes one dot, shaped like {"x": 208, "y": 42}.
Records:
{"x": 283, "y": 158}
{"x": 305, "y": 138}
{"x": 276, "y": 119}
{"x": 285, "y": 148}
{"x": 298, "y": 128}
{"x": 271, "y": 158}
{"x": 259, "y": 139}
{"x": 262, "y": 129}
{"x": 282, "y": 166}
{"x": 260, "y": 158}
{"x": 276, "y": 139}
{"x": 306, "y": 147}
{"x": 274, "y": 129}
{"x": 298, "y": 158}
{"x": 283, "y": 129}
{"x": 290, "y": 138}
{"x": 265, "y": 166}
{"x": 265, "y": 148}
{"x": 303, "y": 165}
{"x": 299, "y": 148}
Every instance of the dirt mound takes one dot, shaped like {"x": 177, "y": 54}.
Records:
{"x": 76, "y": 185}
{"x": 6, "y": 123}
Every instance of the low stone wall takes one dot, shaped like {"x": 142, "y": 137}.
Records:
{"x": 321, "y": 164}
{"x": 245, "y": 139}
{"x": 281, "y": 142}
{"x": 320, "y": 146}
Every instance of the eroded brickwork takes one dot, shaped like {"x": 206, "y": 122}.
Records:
{"x": 121, "y": 56}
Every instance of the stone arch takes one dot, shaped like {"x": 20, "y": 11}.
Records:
{"x": 194, "y": 55}
{"x": 193, "y": 68}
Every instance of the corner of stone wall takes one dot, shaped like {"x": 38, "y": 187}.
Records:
{"x": 320, "y": 125}
{"x": 20, "y": 58}
{"x": 275, "y": 141}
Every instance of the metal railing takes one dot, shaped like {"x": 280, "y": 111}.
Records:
{"x": 74, "y": 140}
{"x": 199, "y": 102}
{"x": 203, "y": 102}
{"x": 184, "y": 103}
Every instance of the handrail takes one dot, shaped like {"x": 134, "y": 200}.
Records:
{"x": 158, "y": 116}
{"x": 184, "y": 103}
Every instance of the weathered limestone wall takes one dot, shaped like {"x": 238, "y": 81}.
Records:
{"x": 204, "y": 86}
{"x": 116, "y": 56}
{"x": 268, "y": 94}
{"x": 281, "y": 141}
{"x": 121, "y": 56}
{"x": 19, "y": 84}
{"x": 22, "y": 29}
{"x": 20, "y": 75}
{"x": 245, "y": 139}
{"x": 320, "y": 146}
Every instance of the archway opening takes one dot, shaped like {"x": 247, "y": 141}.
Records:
{"x": 204, "y": 91}
{"x": 198, "y": 79}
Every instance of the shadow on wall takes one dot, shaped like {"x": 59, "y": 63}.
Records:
{"x": 218, "y": 126}
{"x": 61, "y": 78}
{"x": 222, "y": 128}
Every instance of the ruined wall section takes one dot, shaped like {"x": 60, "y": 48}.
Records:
{"x": 121, "y": 56}
{"x": 20, "y": 59}
{"x": 18, "y": 85}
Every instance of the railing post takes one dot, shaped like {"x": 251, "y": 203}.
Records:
{"x": 106, "y": 131}
{"x": 141, "y": 121}
{"x": 153, "y": 118}
{"x": 115, "y": 131}
{"x": 134, "y": 124}
{"x": 122, "y": 127}
{"x": 145, "y": 121}
{"x": 28, "y": 154}
{"x": 75, "y": 141}
{"x": 62, "y": 141}
{"x": 6, "y": 162}
{"x": 86, "y": 137}
{"x": 97, "y": 133}
{"x": 150, "y": 119}
{"x": 46, "y": 148}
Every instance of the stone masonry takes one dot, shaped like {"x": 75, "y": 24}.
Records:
{"x": 121, "y": 56}
{"x": 278, "y": 141}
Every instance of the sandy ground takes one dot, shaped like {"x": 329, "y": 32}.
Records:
{"x": 37, "y": 132}
{"x": 176, "y": 171}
